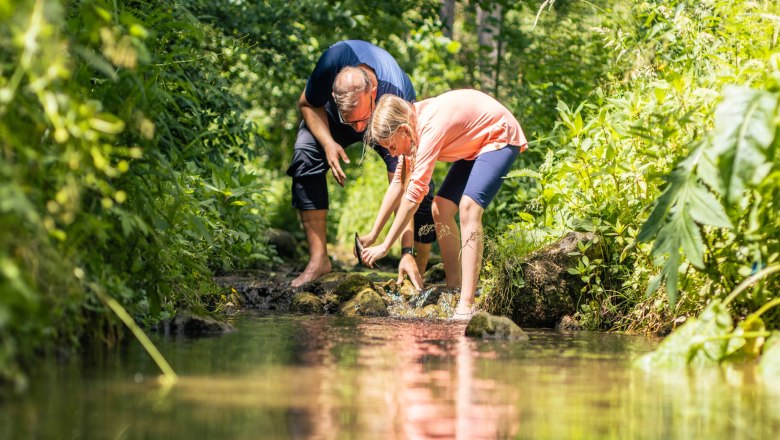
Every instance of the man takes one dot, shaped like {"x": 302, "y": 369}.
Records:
{"x": 336, "y": 105}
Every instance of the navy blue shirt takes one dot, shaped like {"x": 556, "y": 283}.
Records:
{"x": 393, "y": 80}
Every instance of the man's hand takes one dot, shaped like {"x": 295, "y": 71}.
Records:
{"x": 373, "y": 254}
{"x": 334, "y": 153}
{"x": 407, "y": 266}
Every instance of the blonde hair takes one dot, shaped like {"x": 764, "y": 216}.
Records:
{"x": 390, "y": 115}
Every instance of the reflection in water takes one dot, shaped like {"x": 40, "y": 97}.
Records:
{"x": 334, "y": 378}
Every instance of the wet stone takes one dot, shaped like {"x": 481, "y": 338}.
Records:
{"x": 407, "y": 290}
{"x": 435, "y": 274}
{"x": 351, "y": 285}
{"x": 430, "y": 311}
{"x": 486, "y": 326}
{"x": 188, "y": 324}
{"x": 307, "y": 303}
{"x": 366, "y": 303}
{"x": 567, "y": 323}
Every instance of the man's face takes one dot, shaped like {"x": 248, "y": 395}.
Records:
{"x": 358, "y": 118}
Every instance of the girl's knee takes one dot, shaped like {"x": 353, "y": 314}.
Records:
{"x": 443, "y": 209}
{"x": 470, "y": 210}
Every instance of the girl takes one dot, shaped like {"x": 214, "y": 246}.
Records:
{"x": 469, "y": 128}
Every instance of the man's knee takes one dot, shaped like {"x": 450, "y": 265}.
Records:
{"x": 310, "y": 192}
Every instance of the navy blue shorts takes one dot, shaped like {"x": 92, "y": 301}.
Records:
{"x": 480, "y": 178}
{"x": 309, "y": 171}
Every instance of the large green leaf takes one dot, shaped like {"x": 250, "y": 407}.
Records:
{"x": 744, "y": 131}
{"x": 698, "y": 342}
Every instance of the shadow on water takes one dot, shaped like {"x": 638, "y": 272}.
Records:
{"x": 331, "y": 377}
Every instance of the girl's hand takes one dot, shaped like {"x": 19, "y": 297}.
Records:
{"x": 367, "y": 240}
{"x": 373, "y": 254}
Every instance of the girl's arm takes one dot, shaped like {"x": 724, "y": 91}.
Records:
{"x": 389, "y": 203}
{"x": 402, "y": 218}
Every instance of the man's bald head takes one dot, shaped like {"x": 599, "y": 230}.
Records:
{"x": 350, "y": 84}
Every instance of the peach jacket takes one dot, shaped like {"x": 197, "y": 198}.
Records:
{"x": 460, "y": 124}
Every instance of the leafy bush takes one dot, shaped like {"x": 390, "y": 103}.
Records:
{"x": 124, "y": 137}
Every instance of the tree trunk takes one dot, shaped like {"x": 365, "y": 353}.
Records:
{"x": 447, "y": 17}
{"x": 488, "y": 30}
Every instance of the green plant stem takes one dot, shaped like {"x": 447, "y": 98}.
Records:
{"x": 734, "y": 336}
{"x": 763, "y": 273}
{"x": 169, "y": 376}
{"x": 762, "y": 310}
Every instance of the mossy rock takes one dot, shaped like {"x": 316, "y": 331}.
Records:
{"x": 352, "y": 285}
{"x": 430, "y": 311}
{"x": 307, "y": 303}
{"x": 407, "y": 290}
{"x": 486, "y": 326}
{"x": 548, "y": 291}
{"x": 367, "y": 302}
{"x": 435, "y": 274}
{"x": 327, "y": 283}
{"x": 189, "y": 323}
{"x": 331, "y": 302}
{"x": 390, "y": 287}
{"x": 568, "y": 323}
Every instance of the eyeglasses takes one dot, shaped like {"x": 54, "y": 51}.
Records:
{"x": 357, "y": 121}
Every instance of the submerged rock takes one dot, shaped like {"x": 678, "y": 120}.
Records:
{"x": 307, "y": 303}
{"x": 188, "y": 324}
{"x": 430, "y": 311}
{"x": 366, "y": 303}
{"x": 486, "y": 326}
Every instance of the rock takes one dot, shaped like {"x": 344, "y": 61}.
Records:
{"x": 435, "y": 274}
{"x": 390, "y": 287}
{"x": 486, "y": 326}
{"x": 430, "y": 311}
{"x": 568, "y": 323}
{"x": 307, "y": 303}
{"x": 258, "y": 290}
{"x": 283, "y": 241}
{"x": 427, "y": 296}
{"x": 549, "y": 291}
{"x": 407, "y": 290}
{"x": 188, "y": 324}
{"x": 351, "y": 285}
{"x": 331, "y": 302}
{"x": 366, "y": 303}
{"x": 326, "y": 283}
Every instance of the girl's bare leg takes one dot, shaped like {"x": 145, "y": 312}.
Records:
{"x": 472, "y": 243}
{"x": 449, "y": 243}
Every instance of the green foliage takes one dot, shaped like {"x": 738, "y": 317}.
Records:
{"x": 712, "y": 338}
{"x": 124, "y": 131}
{"x": 667, "y": 65}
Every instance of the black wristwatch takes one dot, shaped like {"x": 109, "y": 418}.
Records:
{"x": 408, "y": 250}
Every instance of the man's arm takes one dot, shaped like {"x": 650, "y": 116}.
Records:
{"x": 317, "y": 121}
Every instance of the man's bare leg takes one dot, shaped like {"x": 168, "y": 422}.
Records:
{"x": 315, "y": 225}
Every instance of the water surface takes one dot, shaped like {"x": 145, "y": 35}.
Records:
{"x": 345, "y": 378}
